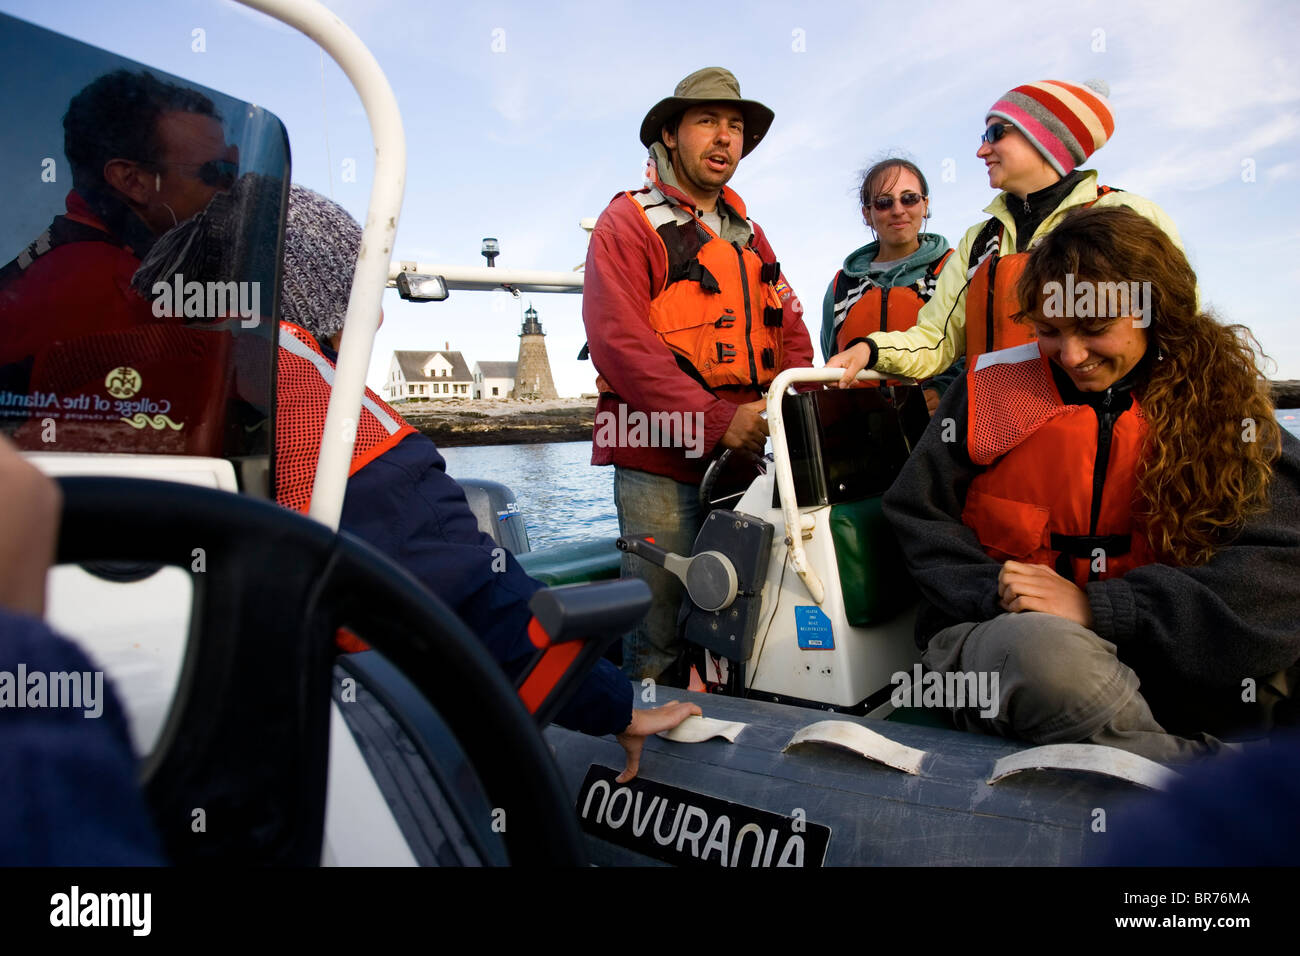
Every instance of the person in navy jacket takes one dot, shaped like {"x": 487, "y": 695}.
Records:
{"x": 404, "y": 503}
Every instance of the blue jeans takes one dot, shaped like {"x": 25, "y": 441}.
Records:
{"x": 669, "y": 512}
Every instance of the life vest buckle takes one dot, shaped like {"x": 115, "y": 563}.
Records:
{"x": 726, "y": 353}
{"x": 706, "y": 280}
{"x": 773, "y": 316}
{"x": 770, "y": 272}
{"x": 695, "y": 271}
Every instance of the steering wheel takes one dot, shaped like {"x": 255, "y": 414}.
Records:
{"x": 718, "y": 467}
{"x": 247, "y": 737}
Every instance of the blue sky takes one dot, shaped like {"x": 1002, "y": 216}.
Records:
{"x": 521, "y": 141}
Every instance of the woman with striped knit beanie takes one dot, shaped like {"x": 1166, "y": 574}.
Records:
{"x": 1034, "y": 139}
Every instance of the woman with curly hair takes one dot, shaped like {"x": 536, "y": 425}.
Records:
{"x": 1112, "y": 505}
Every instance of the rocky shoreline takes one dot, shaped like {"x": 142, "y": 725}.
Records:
{"x": 456, "y": 422}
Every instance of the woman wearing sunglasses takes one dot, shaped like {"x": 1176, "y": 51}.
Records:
{"x": 1115, "y": 506}
{"x": 1035, "y": 137}
{"x": 884, "y": 284}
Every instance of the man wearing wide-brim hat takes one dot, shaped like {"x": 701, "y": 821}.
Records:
{"x": 688, "y": 321}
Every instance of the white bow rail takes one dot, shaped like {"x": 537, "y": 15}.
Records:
{"x": 371, "y": 275}
{"x": 794, "y": 522}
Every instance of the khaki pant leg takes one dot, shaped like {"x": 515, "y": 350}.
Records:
{"x": 1058, "y": 682}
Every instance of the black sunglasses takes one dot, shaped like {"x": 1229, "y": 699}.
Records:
{"x": 220, "y": 173}
{"x": 885, "y": 203}
{"x": 995, "y": 132}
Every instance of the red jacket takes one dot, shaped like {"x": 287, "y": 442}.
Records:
{"x": 73, "y": 290}
{"x": 69, "y": 320}
{"x": 626, "y": 265}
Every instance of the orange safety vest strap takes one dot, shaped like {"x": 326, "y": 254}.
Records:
{"x": 665, "y": 216}
{"x": 937, "y": 266}
{"x": 303, "y": 389}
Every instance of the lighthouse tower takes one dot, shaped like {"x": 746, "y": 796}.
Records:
{"x": 533, "y": 374}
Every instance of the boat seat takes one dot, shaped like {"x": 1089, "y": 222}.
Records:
{"x": 575, "y": 562}
{"x": 873, "y": 576}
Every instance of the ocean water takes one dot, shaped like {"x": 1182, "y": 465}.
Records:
{"x": 562, "y": 497}
{"x": 1289, "y": 418}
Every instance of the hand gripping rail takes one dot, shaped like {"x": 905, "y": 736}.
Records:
{"x": 785, "y": 477}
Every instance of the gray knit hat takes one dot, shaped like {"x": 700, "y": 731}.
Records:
{"x": 321, "y": 243}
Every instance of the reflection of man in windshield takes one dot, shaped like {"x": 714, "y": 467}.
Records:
{"x": 145, "y": 155}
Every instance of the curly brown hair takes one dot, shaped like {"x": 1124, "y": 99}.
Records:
{"x": 1212, "y": 437}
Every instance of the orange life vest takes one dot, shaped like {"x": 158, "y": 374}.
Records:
{"x": 719, "y": 310}
{"x": 991, "y": 298}
{"x": 302, "y": 394}
{"x": 1058, "y": 490}
{"x": 875, "y": 309}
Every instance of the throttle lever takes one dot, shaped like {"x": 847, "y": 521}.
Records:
{"x": 710, "y": 577}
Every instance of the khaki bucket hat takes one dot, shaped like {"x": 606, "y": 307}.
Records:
{"x": 712, "y": 84}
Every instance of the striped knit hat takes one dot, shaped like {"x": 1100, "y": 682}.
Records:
{"x": 1066, "y": 122}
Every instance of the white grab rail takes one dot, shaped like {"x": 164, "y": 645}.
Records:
{"x": 371, "y": 275}
{"x": 785, "y": 478}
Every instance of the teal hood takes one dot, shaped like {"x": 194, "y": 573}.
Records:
{"x": 861, "y": 262}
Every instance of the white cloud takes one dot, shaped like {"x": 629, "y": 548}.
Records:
{"x": 1281, "y": 171}
{"x": 1180, "y": 166}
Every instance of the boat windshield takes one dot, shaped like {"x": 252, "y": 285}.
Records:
{"x": 111, "y": 165}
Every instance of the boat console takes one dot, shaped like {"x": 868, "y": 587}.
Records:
{"x": 760, "y": 632}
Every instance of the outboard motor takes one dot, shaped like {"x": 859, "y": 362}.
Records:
{"x": 498, "y": 516}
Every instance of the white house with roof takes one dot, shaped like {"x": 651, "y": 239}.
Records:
{"x": 494, "y": 379}
{"x": 428, "y": 375}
